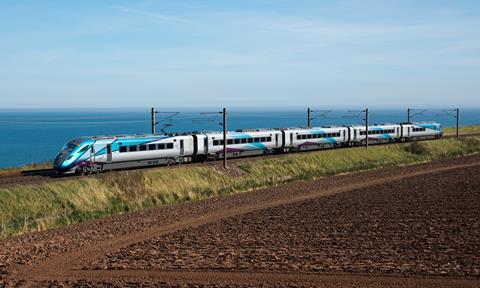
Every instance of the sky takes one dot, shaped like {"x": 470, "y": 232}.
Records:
{"x": 239, "y": 53}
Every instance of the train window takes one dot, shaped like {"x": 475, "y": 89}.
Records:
{"x": 243, "y": 140}
{"x": 269, "y": 139}
{"x": 132, "y": 148}
{"x": 237, "y": 141}
{"x": 215, "y": 143}
{"x": 250, "y": 140}
{"x": 229, "y": 141}
{"x": 338, "y": 134}
{"x": 263, "y": 139}
{"x": 161, "y": 146}
{"x": 152, "y": 147}
{"x": 122, "y": 149}
{"x": 169, "y": 145}
{"x": 83, "y": 149}
{"x": 256, "y": 139}
{"x": 143, "y": 147}
{"x": 299, "y": 137}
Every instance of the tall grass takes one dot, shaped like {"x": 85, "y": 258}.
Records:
{"x": 26, "y": 208}
{"x": 462, "y": 130}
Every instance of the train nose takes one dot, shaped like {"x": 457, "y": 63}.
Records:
{"x": 58, "y": 163}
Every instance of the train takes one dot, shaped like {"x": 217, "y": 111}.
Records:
{"x": 95, "y": 154}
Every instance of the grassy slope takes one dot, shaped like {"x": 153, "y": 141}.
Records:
{"x": 463, "y": 130}
{"x": 27, "y": 208}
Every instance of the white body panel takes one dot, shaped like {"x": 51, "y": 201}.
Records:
{"x": 317, "y": 136}
{"x": 244, "y": 141}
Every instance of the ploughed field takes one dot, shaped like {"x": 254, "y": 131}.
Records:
{"x": 425, "y": 225}
{"x": 415, "y": 226}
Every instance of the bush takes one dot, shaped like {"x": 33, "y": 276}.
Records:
{"x": 416, "y": 148}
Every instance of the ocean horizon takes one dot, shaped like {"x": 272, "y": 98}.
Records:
{"x": 35, "y": 135}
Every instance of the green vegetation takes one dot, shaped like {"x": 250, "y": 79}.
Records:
{"x": 31, "y": 166}
{"x": 463, "y": 130}
{"x": 26, "y": 208}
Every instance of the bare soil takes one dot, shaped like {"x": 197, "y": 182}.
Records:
{"x": 414, "y": 226}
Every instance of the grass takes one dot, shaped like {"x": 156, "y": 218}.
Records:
{"x": 31, "y": 166}
{"x": 462, "y": 130}
{"x": 28, "y": 208}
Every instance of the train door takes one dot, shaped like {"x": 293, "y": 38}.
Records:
{"x": 354, "y": 134}
{"x": 195, "y": 144}
{"x": 92, "y": 153}
{"x": 291, "y": 139}
{"x": 109, "y": 153}
{"x": 182, "y": 148}
{"x": 409, "y": 128}
{"x": 205, "y": 144}
{"x": 276, "y": 140}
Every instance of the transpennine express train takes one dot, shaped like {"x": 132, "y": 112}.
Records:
{"x": 95, "y": 154}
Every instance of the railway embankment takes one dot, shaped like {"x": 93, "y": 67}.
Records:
{"x": 25, "y": 208}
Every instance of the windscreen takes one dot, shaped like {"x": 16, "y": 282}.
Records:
{"x": 70, "y": 146}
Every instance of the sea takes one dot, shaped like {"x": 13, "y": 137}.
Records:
{"x": 36, "y": 135}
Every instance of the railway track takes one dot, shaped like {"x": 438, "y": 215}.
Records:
{"x": 37, "y": 176}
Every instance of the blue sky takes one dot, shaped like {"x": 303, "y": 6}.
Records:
{"x": 281, "y": 53}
